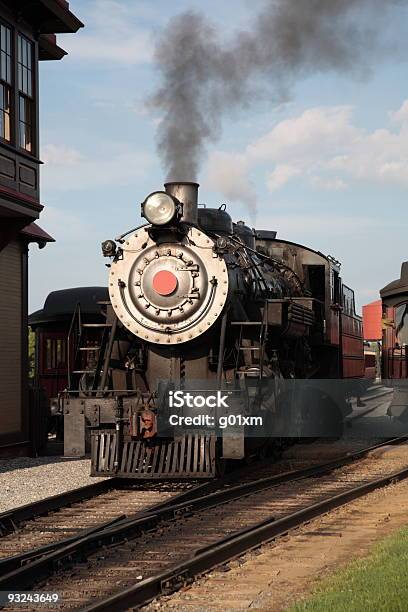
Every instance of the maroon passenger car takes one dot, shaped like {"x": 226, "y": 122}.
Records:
{"x": 54, "y": 359}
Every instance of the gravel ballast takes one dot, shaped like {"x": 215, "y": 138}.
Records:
{"x": 25, "y": 480}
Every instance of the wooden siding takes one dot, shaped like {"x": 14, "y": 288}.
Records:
{"x": 19, "y": 173}
{"x": 10, "y": 339}
{"x": 352, "y": 347}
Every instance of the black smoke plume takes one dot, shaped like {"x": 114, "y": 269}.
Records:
{"x": 205, "y": 77}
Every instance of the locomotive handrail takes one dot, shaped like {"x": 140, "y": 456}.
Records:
{"x": 263, "y": 336}
{"x": 269, "y": 258}
{"x": 135, "y": 229}
{"x": 75, "y": 317}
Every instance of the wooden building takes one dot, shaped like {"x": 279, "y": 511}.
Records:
{"x": 27, "y": 36}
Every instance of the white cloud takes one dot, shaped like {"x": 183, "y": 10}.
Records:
{"x": 380, "y": 156}
{"x": 325, "y": 148}
{"x": 133, "y": 50}
{"x": 111, "y": 34}
{"x": 70, "y": 169}
{"x": 401, "y": 115}
{"x": 314, "y": 132}
{"x": 228, "y": 173}
{"x": 61, "y": 155}
{"x": 280, "y": 176}
{"x": 333, "y": 184}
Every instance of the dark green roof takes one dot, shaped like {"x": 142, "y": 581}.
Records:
{"x": 398, "y": 286}
{"x": 60, "y": 305}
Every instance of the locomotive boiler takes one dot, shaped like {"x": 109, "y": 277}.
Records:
{"x": 196, "y": 297}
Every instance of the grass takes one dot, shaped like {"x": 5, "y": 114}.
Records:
{"x": 376, "y": 582}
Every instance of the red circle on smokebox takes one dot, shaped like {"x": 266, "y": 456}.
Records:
{"x": 164, "y": 282}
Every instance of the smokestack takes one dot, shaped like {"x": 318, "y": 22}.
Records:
{"x": 187, "y": 194}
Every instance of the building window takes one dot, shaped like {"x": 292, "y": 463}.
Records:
{"x": 5, "y": 81}
{"x": 26, "y": 123}
{"x": 348, "y": 301}
{"x": 401, "y": 325}
{"x": 25, "y": 88}
{"x": 55, "y": 353}
{"x": 5, "y": 54}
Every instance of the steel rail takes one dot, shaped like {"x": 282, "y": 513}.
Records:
{"x": 31, "y": 511}
{"x": 130, "y": 528}
{"x": 10, "y": 564}
{"x": 228, "y": 548}
{"x": 10, "y": 519}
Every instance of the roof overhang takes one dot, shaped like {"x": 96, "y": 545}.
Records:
{"x": 58, "y": 17}
{"x": 15, "y": 204}
{"x": 46, "y": 16}
{"x": 60, "y": 305}
{"x": 398, "y": 287}
{"x": 48, "y": 48}
{"x": 34, "y": 233}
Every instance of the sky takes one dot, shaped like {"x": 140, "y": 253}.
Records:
{"x": 328, "y": 168}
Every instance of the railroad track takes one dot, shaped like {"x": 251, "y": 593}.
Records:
{"x": 33, "y": 530}
{"x": 79, "y": 510}
{"x": 38, "y": 528}
{"x": 167, "y": 547}
{"x": 30, "y": 531}
{"x": 10, "y": 520}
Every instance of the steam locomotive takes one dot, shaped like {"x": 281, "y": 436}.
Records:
{"x": 196, "y": 297}
{"x": 395, "y": 343}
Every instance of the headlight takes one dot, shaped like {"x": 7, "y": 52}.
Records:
{"x": 159, "y": 208}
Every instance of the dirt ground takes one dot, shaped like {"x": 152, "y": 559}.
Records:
{"x": 277, "y": 574}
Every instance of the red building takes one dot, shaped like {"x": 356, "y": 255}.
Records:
{"x": 372, "y": 329}
{"x": 372, "y": 315}
{"x": 27, "y": 36}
